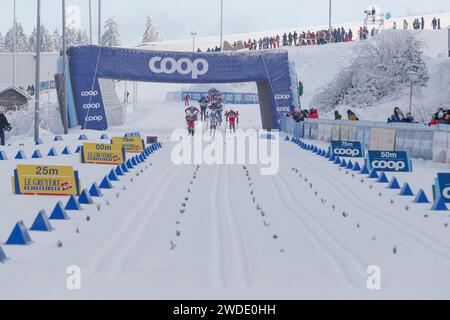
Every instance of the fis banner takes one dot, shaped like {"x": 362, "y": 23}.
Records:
{"x": 344, "y": 149}
{"x": 45, "y": 180}
{"x": 130, "y": 144}
{"x": 442, "y": 186}
{"x": 389, "y": 161}
{"x": 99, "y": 153}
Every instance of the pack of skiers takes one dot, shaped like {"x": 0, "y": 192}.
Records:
{"x": 4, "y": 126}
{"x": 211, "y": 112}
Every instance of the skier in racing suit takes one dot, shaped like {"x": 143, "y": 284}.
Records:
{"x": 203, "y": 102}
{"x": 191, "y": 118}
{"x": 232, "y": 117}
{"x": 213, "y": 120}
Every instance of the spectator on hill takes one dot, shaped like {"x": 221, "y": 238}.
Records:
{"x": 313, "y": 114}
{"x": 352, "y": 116}
{"x": 394, "y": 27}
{"x": 337, "y": 115}
{"x": 439, "y": 24}
{"x": 299, "y": 117}
{"x": 422, "y": 23}
{"x": 434, "y": 23}
{"x": 409, "y": 118}
{"x": 397, "y": 116}
{"x": 405, "y": 24}
{"x": 440, "y": 117}
{"x": 4, "y": 126}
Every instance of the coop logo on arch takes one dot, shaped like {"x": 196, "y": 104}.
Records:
{"x": 92, "y": 93}
{"x": 182, "y": 66}
{"x": 283, "y": 97}
{"x": 94, "y": 118}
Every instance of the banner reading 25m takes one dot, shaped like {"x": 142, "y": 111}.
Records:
{"x": 130, "y": 144}
{"x": 45, "y": 180}
{"x": 101, "y": 153}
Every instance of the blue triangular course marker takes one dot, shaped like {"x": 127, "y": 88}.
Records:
{"x": 337, "y": 161}
{"x": 112, "y": 176}
{"x": 66, "y": 151}
{"x": 59, "y": 213}
{"x": 37, "y": 154}
{"x": 350, "y": 165}
{"x": 19, "y": 235}
{"x": 78, "y": 149}
{"x": 137, "y": 159}
{"x": 287, "y": 139}
{"x": 332, "y": 158}
{"x": 20, "y": 155}
{"x": 133, "y": 161}
{"x": 382, "y": 178}
{"x": 421, "y": 197}
{"x": 95, "y": 191}
{"x": 104, "y": 137}
{"x": 106, "y": 183}
{"x": 41, "y": 223}
{"x": 85, "y": 197}
{"x": 394, "y": 185}
{"x": 141, "y": 157}
{"x": 373, "y": 174}
{"x": 293, "y": 139}
{"x": 439, "y": 205}
{"x": 356, "y": 167}
{"x": 119, "y": 171}
{"x": 38, "y": 142}
{"x": 73, "y": 204}
{"x": 83, "y": 137}
{"x": 364, "y": 170}
{"x": 406, "y": 191}
{"x": 52, "y": 153}
{"x": 3, "y": 257}
{"x": 124, "y": 168}
{"x": 144, "y": 155}
{"x": 343, "y": 164}
{"x": 3, "y": 155}
{"x": 58, "y": 138}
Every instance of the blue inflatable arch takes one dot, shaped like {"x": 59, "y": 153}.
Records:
{"x": 269, "y": 69}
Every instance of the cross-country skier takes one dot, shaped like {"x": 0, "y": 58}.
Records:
{"x": 219, "y": 112}
{"x": 186, "y": 99}
{"x": 191, "y": 118}
{"x": 232, "y": 117}
{"x": 203, "y": 102}
{"x": 213, "y": 120}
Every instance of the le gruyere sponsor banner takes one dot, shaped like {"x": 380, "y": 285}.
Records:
{"x": 45, "y": 180}
{"x": 130, "y": 144}
{"x": 102, "y": 153}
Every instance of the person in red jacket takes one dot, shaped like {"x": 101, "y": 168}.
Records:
{"x": 313, "y": 114}
{"x": 232, "y": 117}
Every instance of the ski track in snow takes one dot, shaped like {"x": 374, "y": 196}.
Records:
{"x": 399, "y": 226}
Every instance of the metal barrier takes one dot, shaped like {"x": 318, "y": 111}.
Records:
{"x": 419, "y": 140}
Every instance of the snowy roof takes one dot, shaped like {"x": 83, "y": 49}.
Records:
{"x": 12, "y": 97}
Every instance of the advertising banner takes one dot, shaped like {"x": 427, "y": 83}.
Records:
{"x": 99, "y": 153}
{"x": 45, "y": 180}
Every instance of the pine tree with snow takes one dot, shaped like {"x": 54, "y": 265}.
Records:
{"x": 46, "y": 40}
{"x": 22, "y": 44}
{"x": 56, "y": 41}
{"x": 2, "y": 42}
{"x": 111, "y": 37}
{"x": 152, "y": 32}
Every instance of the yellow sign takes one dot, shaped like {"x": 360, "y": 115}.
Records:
{"x": 45, "y": 180}
{"x": 130, "y": 144}
{"x": 99, "y": 153}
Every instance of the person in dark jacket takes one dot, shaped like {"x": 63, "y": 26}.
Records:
{"x": 4, "y": 126}
{"x": 299, "y": 117}
{"x": 337, "y": 115}
{"x": 397, "y": 116}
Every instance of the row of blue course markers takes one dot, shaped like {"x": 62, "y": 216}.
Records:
{"x": 52, "y": 152}
{"x": 421, "y": 197}
{"x": 20, "y": 234}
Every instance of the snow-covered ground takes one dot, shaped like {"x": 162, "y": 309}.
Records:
{"x": 311, "y": 231}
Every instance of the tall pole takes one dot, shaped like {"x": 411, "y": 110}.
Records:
{"x": 221, "y": 25}
{"x": 99, "y": 22}
{"x": 38, "y": 70}
{"x": 90, "y": 21}
{"x": 14, "y": 46}
{"x": 193, "y": 34}
{"x": 64, "y": 82}
{"x": 411, "y": 97}
{"x": 330, "y": 27}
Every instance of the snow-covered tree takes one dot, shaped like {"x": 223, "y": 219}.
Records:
{"x": 111, "y": 37}
{"x": 377, "y": 68}
{"x": 152, "y": 32}
{"x": 46, "y": 40}
{"x": 22, "y": 44}
{"x": 2, "y": 42}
